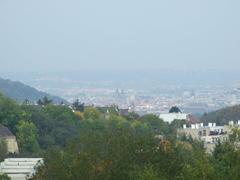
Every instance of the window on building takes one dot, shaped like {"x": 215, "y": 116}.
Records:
{"x": 204, "y": 132}
{"x": 213, "y": 140}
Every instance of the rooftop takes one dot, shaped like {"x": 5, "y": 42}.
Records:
{"x": 5, "y": 132}
{"x": 20, "y": 168}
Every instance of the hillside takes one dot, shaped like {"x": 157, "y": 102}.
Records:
{"x": 223, "y": 116}
{"x": 20, "y": 92}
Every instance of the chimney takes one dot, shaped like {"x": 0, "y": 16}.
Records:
{"x": 231, "y": 123}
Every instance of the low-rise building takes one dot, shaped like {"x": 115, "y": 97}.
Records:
{"x": 10, "y": 139}
{"x": 20, "y": 168}
{"x": 170, "y": 117}
{"x": 210, "y": 134}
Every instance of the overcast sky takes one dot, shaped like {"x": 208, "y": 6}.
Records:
{"x": 123, "y": 34}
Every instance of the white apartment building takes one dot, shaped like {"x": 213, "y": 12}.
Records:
{"x": 210, "y": 134}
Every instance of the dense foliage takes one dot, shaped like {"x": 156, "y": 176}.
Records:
{"x": 101, "y": 144}
{"x": 3, "y": 150}
{"x": 174, "y": 109}
{"x": 115, "y": 148}
{"x": 4, "y": 177}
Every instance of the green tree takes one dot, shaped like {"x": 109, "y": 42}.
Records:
{"x": 26, "y": 102}
{"x": 9, "y": 113}
{"x": 106, "y": 149}
{"x": 235, "y": 135}
{"x": 77, "y": 106}
{"x": 3, "y": 150}
{"x": 27, "y": 136}
{"x": 226, "y": 157}
{"x": 56, "y": 124}
{"x": 155, "y": 123}
{"x": 4, "y": 177}
{"x": 174, "y": 109}
{"x": 175, "y": 125}
{"x": 132, "y": 116}
{"x": 91, "y": 113}
{"x": 147, "y": 173}
{"x": 45, "y": 101}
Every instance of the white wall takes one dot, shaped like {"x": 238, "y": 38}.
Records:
{"x": 170, "y": 117}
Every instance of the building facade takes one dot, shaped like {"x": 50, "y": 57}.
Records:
{"x": 20, "y": 168}
{"x": 10, "y": 140}
{"x": 210, "y": 134}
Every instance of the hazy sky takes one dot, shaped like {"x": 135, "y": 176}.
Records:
{"x": 123, "y": 34}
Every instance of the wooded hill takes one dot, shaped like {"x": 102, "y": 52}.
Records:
{"x": 20, "y": 92}
{"x": 223, "y": 116}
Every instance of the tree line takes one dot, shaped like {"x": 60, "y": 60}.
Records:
{"x": 97, "y": 143}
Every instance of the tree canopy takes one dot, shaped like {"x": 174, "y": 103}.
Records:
{"x": 98, "y": 144}
{"x": 174, "y": 109}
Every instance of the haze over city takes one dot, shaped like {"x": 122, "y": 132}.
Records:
{"x": 56, "y": 35}
{"x": 157, "y": 53}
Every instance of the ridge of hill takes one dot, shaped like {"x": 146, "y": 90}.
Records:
{"x": 20, "y": 92}
{"x": 223, "y": 116}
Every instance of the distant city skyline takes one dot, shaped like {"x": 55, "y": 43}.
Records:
{"x": 63, "y": 35}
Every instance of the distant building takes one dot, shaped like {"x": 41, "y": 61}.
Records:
{"x": 170, "y": 117}
{"x": 10, "y": 139}
{"x": 20, "y": 168}
{"x": 210, "y": 134}
{"x": 123, "y": 112}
